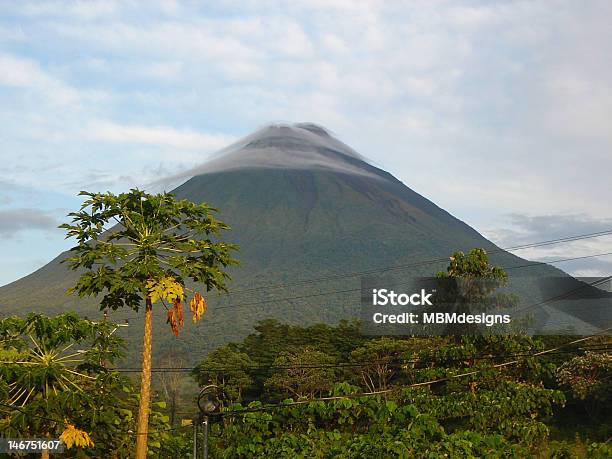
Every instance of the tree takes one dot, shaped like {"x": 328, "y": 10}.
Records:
{"x": 302, "y": 372}
{"x": 171, "y": 382}
{"x": 228, "y": 369}
{"x": 379, "y": 360}
{"x": 468, "y": 286}
{"x": 351, "y": 426}
{"x": 52, "y": 374}
{"x": 588, "y": 378}
{"x": 158, "y": 242}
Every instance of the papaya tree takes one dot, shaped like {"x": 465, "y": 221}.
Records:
{"x": 54, "y": 383}
{"x": 157, "y": 243}
{"x": 50, "y": 368}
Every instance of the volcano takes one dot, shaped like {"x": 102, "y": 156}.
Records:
{"x": 310, "y": 214}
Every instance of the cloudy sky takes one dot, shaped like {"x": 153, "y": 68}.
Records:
{"x": 497, "y": 111}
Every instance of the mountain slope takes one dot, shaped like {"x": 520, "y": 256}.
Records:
{"x": 301, "y": 205}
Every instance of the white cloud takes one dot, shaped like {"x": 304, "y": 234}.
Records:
{"x": 334, "y": 43}
{"x": 453, "y": 97}
{"x": 473, "y": 16}
{"x": 420, "y": 86}
{"x": 29, "y": 78}
{"x": 93, "y": 9}
{"x": 195, "y": 41}
{"x": 242, "y": 70}
{"x": 580, "y": 105}
{"x": 159, "y": 136}
{"x": 163, "y": 70}
{"x": 524, "y": 229}
{"x": 27, "y": 74}
{"x": 288, "y": 38}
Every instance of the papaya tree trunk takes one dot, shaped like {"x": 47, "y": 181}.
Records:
{"x": 44, "y": 454}
{"x": 145, "y": 385}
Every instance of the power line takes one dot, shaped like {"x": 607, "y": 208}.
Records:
{"x": 431, "y": 261}
{"x": 597, "y": 282}
{"x": 269, "y": 407}
{"x": 363, "y": 394}
{"x": 527, "y": 265}
{"x": 335, "y": 292}
{"x": 425, "y": 383}
{"x": 565, "y": 295}
{"x": 563, "y": 239}
{"x": 561, "y": 260}
{"x": 391, "y": 362}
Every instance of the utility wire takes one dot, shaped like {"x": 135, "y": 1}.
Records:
{"x": 303, "y": 419}
{"x": 528, "y": 265}
{"x": 335, "y": 292}
{"x": 565, "y": 295}
{"x": 561, "y": 260}
{"x": 431, "y": 261}
{"x": 425, "y": 383}
{"x": 391, "y": 362}
{"x": 441, "y": 260}
{"x": 363, "y": 394}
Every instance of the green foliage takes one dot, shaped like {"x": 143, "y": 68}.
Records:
{"x": 492, "y": 412}
{"x": 51, "y": 367}
{"x": 510, "y": 408}
{"x": 155, "y": 236}
{"x": 470, "y": 284}
{"x": 53, "y": 372}
{"x": 352, "y": 427}
{"x": 302, "y": 371}
{"x": 451, "y": 396}
{"x": 272, "y": 338}
{"x": 225, "y": 368}
{"x": 599, "y": 450}
{"x": 474, "y": 265}
{"x": 376, "y": 361}
{"x": 588, "y": 376}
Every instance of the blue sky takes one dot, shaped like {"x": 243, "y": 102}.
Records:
{"x": 497, "y": 111}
